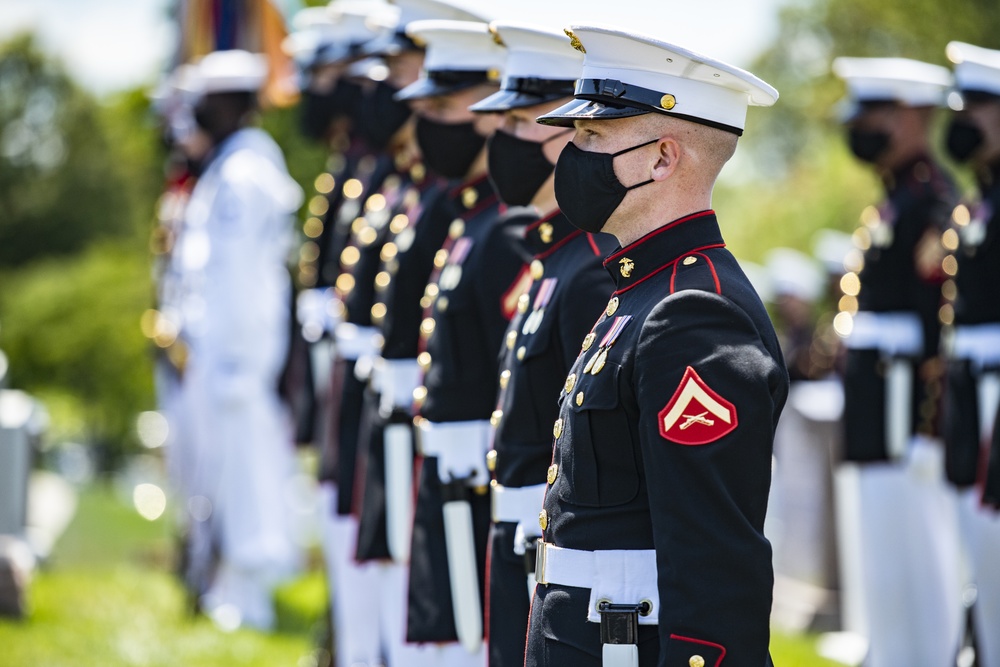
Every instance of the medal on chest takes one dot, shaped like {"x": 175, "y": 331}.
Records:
{"x": 600, "y": 358}
{"x": 451, "y": 274}
{"x": 881, "y": 226}
{"x": 974, "y": 233}
{"x": 542, "y": 299}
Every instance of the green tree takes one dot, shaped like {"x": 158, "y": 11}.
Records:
{"x": 59, "y": 188}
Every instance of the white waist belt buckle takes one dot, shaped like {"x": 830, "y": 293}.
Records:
{"x": 614, "y": 576}
{"x": 460, "y": 448}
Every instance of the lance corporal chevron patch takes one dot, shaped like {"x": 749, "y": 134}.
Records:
{"x": 696, "y": 415}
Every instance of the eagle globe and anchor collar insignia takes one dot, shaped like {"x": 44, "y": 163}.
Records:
{"x": 696, "y": 414}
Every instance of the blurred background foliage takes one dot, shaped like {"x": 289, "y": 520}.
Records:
{"x": 79, "y": 178}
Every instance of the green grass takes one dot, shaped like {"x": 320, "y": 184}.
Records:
{"x": 108, "y": 599}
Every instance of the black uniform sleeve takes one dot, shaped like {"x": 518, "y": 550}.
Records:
{"x": 708, "y": 501}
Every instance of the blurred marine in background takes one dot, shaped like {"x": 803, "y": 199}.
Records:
{"x": 234, "y": 313}
{"x": 893, "y": 379}
{"x": 972, "y": 342}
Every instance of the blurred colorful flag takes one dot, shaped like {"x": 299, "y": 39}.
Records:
{"x": 253, "y": 25}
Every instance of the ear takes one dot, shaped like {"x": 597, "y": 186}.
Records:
{"x": 668, "y": 154}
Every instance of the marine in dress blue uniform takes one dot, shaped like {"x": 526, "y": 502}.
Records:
{"x": 653, "y": 550}
{"x": 971, "y": 341}
{"x": 892, "y": 386}
{"x": 568, "y": 288}
{"x": 468, "y": 301}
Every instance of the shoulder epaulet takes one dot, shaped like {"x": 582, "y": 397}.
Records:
{"x": 695, "y": 271}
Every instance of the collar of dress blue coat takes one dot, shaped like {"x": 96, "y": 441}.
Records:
{"x": 548, "y": 234}
{"x": 662, "y": 248}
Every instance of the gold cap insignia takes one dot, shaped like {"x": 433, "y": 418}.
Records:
{"x": 545, "y": 232}
{"x": 496, "y": 35}
{"x": 574, "y": 41}
{"x": 627, "y": 265}
{"x": 668, "y": 101}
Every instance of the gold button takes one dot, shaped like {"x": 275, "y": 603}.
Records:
{"x": 419, "y": 395}
{"x": 543, "y": 519}
{"x": 496, "y": 417}
{"x": 688, "y": 261}
{"x": 668, "y": 102}
{"x": 469, "y": 197}
{"x": 557, "y": 428}
{"x": 588, "y": 341}
{"x": 511, "y": 339}
{"x": 440, "y": 258}
{"x": 579, "y": 398}
{"x": 570, "y": 382}
{"x": 424, "y": 360}
{"x": 491, "y": 460}
{"x": 521, "y": 351}
{"x": 457, "y": 228}
{"x": 696, "y": 661}
{"x": 442, "y": 303}
{"x": 505, "y": 378}
{"x": 545, "y": 232}
{"x": 552, "y": 473}
{"x": 427, "y": 326}
{"x": 612, "y": 306}
{"x": 537, "y": 269}
{"x": 522, "y": 303}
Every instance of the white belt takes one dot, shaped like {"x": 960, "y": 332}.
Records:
{"x": 354, "y": 342}
{"x": 517, "y": 504}
{"x": 315, "y": 312}
{"x": 979, "y": 343}
{"x": 894, "y": 334}
{"x": 396, "y": 379}
{"x": 626, "y": 576}
{"x": 460, "y": 448}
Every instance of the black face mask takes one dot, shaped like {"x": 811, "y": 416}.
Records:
{"x": 963, "y": 139}
{"x": 518, "y": 167}
{"x": 449, "y": 149}
{"x": 380, "y": 116}
{"x": 867, "y": 145}
{"x": 317, "y": 110}
{"x": 587, "y": 189}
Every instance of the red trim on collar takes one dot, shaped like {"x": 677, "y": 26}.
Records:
{"x": 656, "y": 232}
{"x": 536, "y": 223}
{"x": 672, "y": 263}
{"x": 563, "y": 241}
{"x": 722, "y": 649}
{"x": 467, "y": 184}
{"x": 590, "y": 240}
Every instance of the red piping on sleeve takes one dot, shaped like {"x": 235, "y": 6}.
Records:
{"x": 722, "y": 649}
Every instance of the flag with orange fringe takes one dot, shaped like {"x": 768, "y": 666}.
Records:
{"x": 252, "y": 25}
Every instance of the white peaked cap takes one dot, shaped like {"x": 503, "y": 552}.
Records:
{"x": 229, "y": 72}
{"x": 459, "y": 54}
{"x": 421, "y": 10}
{"x": 539, "y": 67}
{"x": 626, "y": 74}
{"x": 976, "y": 69}
{"x": 794, "y": 273}
{"x": 909, "y": 82}
{"x": 457, "y": 45}
{"x": 336, "y": 33}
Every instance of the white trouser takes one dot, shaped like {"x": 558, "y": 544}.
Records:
{"x": 909, "y": 562}
{"x": 354, "y": 604}
{"x": 981, "y": 539}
